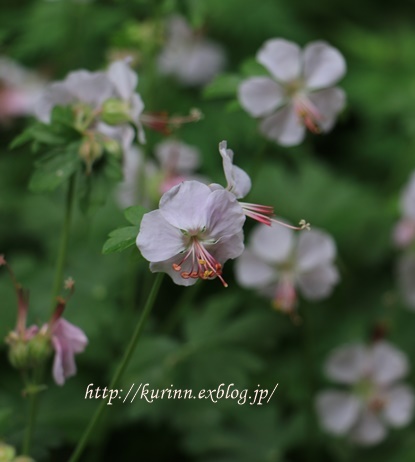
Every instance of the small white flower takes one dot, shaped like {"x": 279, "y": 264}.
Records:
{"x": 301, "y": 92}
{"x": 276, "y": 262}
{"x": 187, "y": 56}
{"x": 375, "y": 400}
{"x": 192, "y": 234}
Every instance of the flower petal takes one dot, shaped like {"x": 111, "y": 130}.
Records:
{"x": 158, "y": 240}
{"x": 260, "y": 96}
{"x": 318, "y": 282}
{"x": 251, "y": 271}
{"x": 388, "y": 363}
{"x": 346, "y": 364}
{"x": 337, "y": 410}
{"x": 89, "y": 87}
{"x": 315, "y": 247}
{"x": 328, "y": 103}
{"x": 399, "y": 406}
{"x": 324, "y": 65}
{"x": 123, "y": 78}
{"x": 282, "y": 59}
{"x": 57, "y": 370}
{"x": 368, "y": 430}
{"x": 167, "y": 267}
{"x": 73, "y": 336}
{"x": 224, "y": 215}
{"x": 56, "y": 94}
{"x": 238, "y": 181}
{"x": 284, "y": 127}
{"x": 273, "y": 244}
{"x": 184, "y": 205}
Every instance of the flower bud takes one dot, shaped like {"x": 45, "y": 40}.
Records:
{"x": 19, "y": 355}
{"x": 7, "y": 453}
{"x": 115, "y": 112}
{"x": 84, "y": 116}
{"x": 39, "y": 348}
{"x": 113, "y": 148}
{"x": 90, "y": 150}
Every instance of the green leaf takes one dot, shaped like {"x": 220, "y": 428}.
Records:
{"x": 120, "y": 239}
{"x": 135, "y": 214}
{"x": 22, "y": 139}
{"x": 54, "y": 169}
{"x": 223, "y": 86}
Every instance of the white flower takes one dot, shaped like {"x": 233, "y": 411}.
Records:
{"x": 375, "y": 399}
{"x": 276, "y": 262}
{"x": 192, "y": 234}
{"x": 406, "y": 278}
{"x": 301, "y": 92}
{"x": 404, "y": 232}
{"x": 187, "y": 56}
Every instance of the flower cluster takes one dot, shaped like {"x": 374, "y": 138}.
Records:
{"x": 176, "y": 162}
{"x": 374, "y": 400}
{"x": 31, "y": 346}
{"x": 198, "y": 227}
{"x": 300, "y": 93}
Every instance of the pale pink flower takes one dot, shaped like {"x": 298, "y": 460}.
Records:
{"x": 300, "y": 93}
{"x": 404, "y": 232}
{"x": 193, "y": 233}
{"x": 277, "y": 262}
{"x": 374, "y": 399}
{"x": 189, "y": 57}
{"x": 67, "y": 340}
{"x": 19, "y": 89}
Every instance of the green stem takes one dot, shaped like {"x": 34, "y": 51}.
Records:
{"x": 33, "y": 406}
{"x": 63, "y": 246}
{"x": 121, "y": 368}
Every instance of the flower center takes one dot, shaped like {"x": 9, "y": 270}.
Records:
{"x": 203, "y": 264}
{"x": 307, "y": 113}
{"x": 285, "y": 297}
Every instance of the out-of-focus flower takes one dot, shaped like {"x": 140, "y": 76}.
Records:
{"x": 176, "y": 163}
{"x": 404, "y": 232}
{"x": 189, "y": 57}
{"x": 276, "y": 262}
{"x": 406, "y": 278}
{"x": 193, "y": 233}
{"x": 375, "y": 399}
{"x": 67, "y": 340}
{"x": 300, "y": 95}
{"x": 19, "y": 89}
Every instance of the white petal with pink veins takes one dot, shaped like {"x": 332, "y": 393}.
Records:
{"x": 318, "y": 283}
{"x": 252, "y": 271}
{"x": 369, "y": 430}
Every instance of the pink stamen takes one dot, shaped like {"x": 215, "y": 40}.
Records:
{"x": 264, "y": 214}
{"x": 204, "y": 265}
{"x": 285, "y": 296}
{"x": 308, "y": 113}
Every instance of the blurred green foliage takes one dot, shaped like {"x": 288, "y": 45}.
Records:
{"x": 347, "y": 182}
